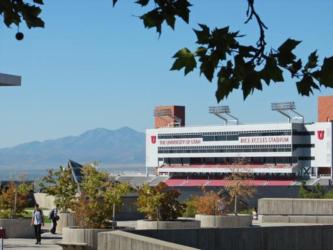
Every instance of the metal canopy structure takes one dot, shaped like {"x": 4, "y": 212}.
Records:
{"x": 288, "y": 109}
{"x": 77, "y": 174}
{"x": 9, "y": 80}
{"x": 167, "y": 113}
{"x": 223, "y": 112}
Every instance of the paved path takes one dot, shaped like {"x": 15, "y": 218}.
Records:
{"x": 48, "y": 242}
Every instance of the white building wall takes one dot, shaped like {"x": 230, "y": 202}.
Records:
{"x": 322, "y": 140}
{"x": 152, "y": 141}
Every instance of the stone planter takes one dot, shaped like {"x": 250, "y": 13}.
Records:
{"x": 82, "y": 235}
{"x": 224, "y": 221}
{"x": 18, "y": 228}
{"x": 65, "y": 220}
{"x": 176, "y": 224}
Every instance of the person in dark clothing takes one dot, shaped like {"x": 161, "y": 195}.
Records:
{"x": 54, "y": 217}
{"x": 37, "y": 221}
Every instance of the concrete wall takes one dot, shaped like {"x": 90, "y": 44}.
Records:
{"x": 224, "y": 221}
{"x": 17, "y": 228}
{"x": 307, "y": 219}
{"x": 65, "y": 220}
{"x": 260, "y": 238}
{"x": 280, "y": 206}
{"x": 119, "y": 240}
{"x": 177, "y": 224}
{"x": 81, "y": 235}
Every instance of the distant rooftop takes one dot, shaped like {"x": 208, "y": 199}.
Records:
{"x": 10, "y": 80}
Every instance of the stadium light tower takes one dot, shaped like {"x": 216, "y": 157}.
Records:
{"x": 288, "y": 109}
{"x": 223, "y": 112}
{"x": 9, "y": 80}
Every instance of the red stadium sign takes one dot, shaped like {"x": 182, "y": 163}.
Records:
{"x": 153, "y": 139}
{"x": 178, "y": 142}
{"x": 320, "y": 134}
{"x": 269, "y": 140}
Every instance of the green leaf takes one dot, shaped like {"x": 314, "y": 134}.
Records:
{"x": 226, "y": 82}
{"x": 182, "y": 9}
{"x": 142, "y": 2}
{"x": 252, "y": 81}
{"x": 184, "y": 59}
{"x": 153, "y": 19}
{"x": 271, "y": 71}
{"x": 326, "y": 72}
{"x": 208, "y": 66}
{"x": 285, "y": 55}
{"x": 312, "y": 60}
{"x": 202, "y": 35}
{"x": 306, "y": 85}
{"x": 39, "y": 1}
{"x": 295, "y": 67}
{"x": 288, "y": 45}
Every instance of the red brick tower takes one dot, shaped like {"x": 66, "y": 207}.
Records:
{"x": 169, "y": 116}
{"x": 325, "y": 108}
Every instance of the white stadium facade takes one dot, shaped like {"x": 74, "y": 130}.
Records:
{"x": 272, "y": 154}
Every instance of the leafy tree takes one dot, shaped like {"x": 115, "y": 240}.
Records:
{"x": 60, "y": 183}
{"x": 210, "y": 203}
{"x": 316, "y": 192}
{"x": 220, "y": 55}
{"x": 159, "y": 203}
{"x": 95, "y": 206}
{"x": 14, "y": 199}
{"x": 238, "y": 188}
{"x": 190, "y": 207}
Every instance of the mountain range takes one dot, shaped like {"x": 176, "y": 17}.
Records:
{"x": 123, "y": 146}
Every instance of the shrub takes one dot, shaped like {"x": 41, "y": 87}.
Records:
{"x": 14, "y": 199}
{"x": 60, "y": 184}
{"x": 159, "y": 203}
{"x": 210, "y": 203}
{"x": 190, "y": 207}
{"x": 316, "y": 192}
{"x": 98, "y": 199}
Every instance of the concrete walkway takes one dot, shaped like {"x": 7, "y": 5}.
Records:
{"x": 48, "y": 242}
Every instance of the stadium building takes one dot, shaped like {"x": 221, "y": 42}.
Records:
{"x": 272, "y": 154}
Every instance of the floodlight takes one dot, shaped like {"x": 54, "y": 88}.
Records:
{"x": 287, "y": 109}
{"x": 223, "y": 112}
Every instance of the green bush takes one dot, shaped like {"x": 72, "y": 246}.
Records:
{"x": 14, "y": 200}
{"x": 316, "y": 192}
{"x": 190, "y": 207}
{"x": 159, "y": 203}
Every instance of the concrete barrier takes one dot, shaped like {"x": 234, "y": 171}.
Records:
{"x": 44, "y": 200}
{"x": 300, "y": 219}
{"x": 177, "y": 224}
{"x": 119, "y": 240}
{"x": 312, "y": 211}
{"x": 18, "y": 228}
{"x": 65, "y": 220}
{"x": 82, "y": 235}
{"x": 254, "y": 238}
{"x": 283, "y": 206}
{"x": 224, "y": 221}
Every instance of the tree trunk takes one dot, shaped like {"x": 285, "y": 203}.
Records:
{"x": 235, "y": 205}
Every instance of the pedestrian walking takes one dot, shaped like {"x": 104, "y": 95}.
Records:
{"x": 54, "y": 217}
{"x": 37, "y": 221}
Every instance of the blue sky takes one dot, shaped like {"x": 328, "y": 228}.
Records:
{"x": 96, "y": 66}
